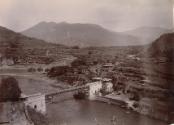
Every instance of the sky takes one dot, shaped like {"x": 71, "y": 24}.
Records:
{"x": 117, "y": 15}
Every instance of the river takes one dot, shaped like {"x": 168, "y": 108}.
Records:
{"x": 67, "y": 111}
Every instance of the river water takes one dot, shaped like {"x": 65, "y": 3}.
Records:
{"x": 67, "y": 111}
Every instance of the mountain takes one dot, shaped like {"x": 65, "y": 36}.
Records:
{"x": 83, "y": 35}
{"x": 163, "y": 46}
{"x": 9, "y": 37}
{"x": 147, "y": 35}
{"x": 23, "y": 49}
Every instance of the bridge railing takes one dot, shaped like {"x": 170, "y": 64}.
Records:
{"x": 66, "y": 90}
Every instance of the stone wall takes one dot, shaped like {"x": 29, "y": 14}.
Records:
{"x": 36, "y": 102}
{"x": 14, "y": 113}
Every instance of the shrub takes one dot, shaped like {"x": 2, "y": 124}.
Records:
{"x": 31, "y": 70}
{"x": 78, "y": 62}
{"x": 39, "y": 69}
{"x": 58, "y": 71}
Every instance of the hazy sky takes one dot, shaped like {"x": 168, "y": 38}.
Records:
{"x": 118, "y": 15}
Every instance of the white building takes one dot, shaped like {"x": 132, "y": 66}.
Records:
{"x": 107, "y": 82}
{"x": 7, "y": 62}
{"x": 133, "y": 57}
{"x": 37, "y": 102}
{"x": 108, "y": 67}
{"x": 95, "y": 79}
{"x": 94, "y": 89}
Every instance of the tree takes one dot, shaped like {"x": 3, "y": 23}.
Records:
{"x": 78, "y": 62}
{"x": 9, "y": 90}
{"x": 58, "y": 71}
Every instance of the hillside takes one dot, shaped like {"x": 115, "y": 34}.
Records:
{"x": 7, "y": 36}
{"x": 161, "y": 53}
{"x": 163, "y": 47}
{"x": 84, "y": 35}
{"x": 147, "y": 34}
{"x": 24, "y": 49}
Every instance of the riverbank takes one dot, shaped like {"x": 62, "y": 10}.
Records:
{"x": 146, "y": 109}
{"x": 40, "y": 82}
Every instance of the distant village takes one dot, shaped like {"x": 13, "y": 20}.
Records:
{"x": 110, "y": 80}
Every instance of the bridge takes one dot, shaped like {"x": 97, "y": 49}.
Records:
{"x": 38, "y": 101}
{"x": 78, "y": 88}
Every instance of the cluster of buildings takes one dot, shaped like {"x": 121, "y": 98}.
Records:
{"x": 99, "y": 84}
{"x": 5, "y": 61}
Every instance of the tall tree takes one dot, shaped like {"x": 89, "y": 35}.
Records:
{"x": 9, "y": 90}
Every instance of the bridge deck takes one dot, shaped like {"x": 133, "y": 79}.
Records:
{"x": 66, "y": 90}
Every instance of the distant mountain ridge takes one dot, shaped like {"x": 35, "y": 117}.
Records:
{"x": 84, "y": 35}
{"x": 147, "y": 35}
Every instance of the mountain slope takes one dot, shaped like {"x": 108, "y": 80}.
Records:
{"x": 147, "y": 34}
{"x": 24, "y": 49}
{"x": 83, "y": 35}
{"x": 163, "y": 47}
{"x": 7, "y": 36}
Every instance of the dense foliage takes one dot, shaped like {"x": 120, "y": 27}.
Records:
{"x": 78, "y": 62}
{"x": 9, "y": 90}
{"x": 58, "y": 71}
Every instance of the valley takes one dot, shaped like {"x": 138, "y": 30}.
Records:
{"x": 144, "y": 74}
